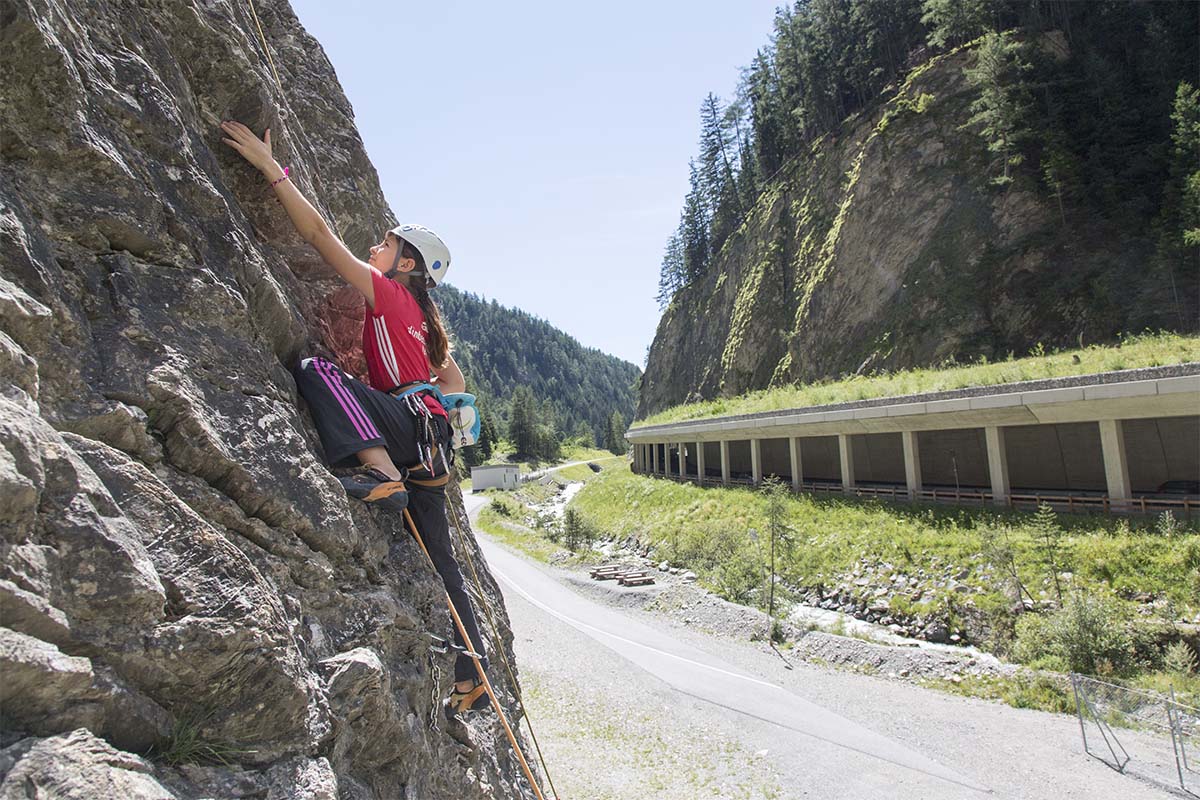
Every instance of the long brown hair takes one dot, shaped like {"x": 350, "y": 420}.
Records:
{"x": 437, "y": 340}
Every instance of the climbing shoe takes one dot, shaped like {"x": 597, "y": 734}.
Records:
{"x": 372, "y": 486}
{"x": 476, "y": 699}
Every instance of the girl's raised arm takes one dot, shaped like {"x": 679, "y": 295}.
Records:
{"x": 308, "y": 221}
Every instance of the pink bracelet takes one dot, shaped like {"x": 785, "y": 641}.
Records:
{"x": 286, "y": 170}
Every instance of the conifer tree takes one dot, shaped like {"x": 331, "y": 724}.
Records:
{"x": 614, "y": 437}
{"x": 694, "y": 229}
{"x": 671, "y": 274}
{"x": 952, "y": 22}
{"x": 522, "y": 422}
{"x": 487, "y": 436}
{"x": 1003, "y": 105}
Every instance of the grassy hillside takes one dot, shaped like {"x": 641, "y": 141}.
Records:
{"x": 1147, "y": 350}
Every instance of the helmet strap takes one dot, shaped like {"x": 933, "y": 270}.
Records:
{"x": 391, "y": 273}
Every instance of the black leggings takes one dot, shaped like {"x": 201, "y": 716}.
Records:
{"x": 350, "y": 417}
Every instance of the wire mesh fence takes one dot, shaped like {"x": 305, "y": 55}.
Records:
{"x": 1142, "y": 733}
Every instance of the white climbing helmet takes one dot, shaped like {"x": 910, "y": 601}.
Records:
{"x": 432, "y": 249}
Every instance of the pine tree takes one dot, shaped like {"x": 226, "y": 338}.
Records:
{"x": 1003, "y": 106}
{"x": 522, "y": 422}
{"x": 952, "y": 22}
{"x": 694, "y": 229}
{"x": 1185, "y": 162}
{"x": 614, "y": 437}
{"x": 487, "y": 436}
{"x": 672, "y": 273}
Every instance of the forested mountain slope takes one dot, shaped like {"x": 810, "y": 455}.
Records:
{"x": 900, "y": 184}
{"x": 501, "y": 348}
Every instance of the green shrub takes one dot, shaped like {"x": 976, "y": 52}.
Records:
{"x": 1179, "y": 658}
{"x": 576, "y": 532}
{"x": 1089, "y": 634}
{"x": 503, "y": 506}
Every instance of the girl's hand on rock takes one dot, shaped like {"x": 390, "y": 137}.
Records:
{"x": 256, "y": 151}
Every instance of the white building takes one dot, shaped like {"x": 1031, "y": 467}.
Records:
{"x": 497, "y": 476}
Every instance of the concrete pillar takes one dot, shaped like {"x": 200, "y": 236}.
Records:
{"x": 1116, "y": 465}
{"x": 724, "y": 463}
{"x": 681, "y": 460}
{"x": 797, "y": 462}
{"x": 912, "y": 463}
{"x": 847, "y": 458}
{"x": 756, "y": 461}
{"x": 654, "y": 458}
{"x": 700, "y": 463}
{"x": 997, "y": 465}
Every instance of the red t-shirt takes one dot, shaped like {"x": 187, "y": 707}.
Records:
{"x": 394, "y": 340}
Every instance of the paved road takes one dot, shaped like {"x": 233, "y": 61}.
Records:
{"x": 537, "y": 473}
{"x": 904, "y": 743}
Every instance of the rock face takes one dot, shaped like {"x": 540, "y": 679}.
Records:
{"x": 179, "y": 573}
{"x": 887, "y": 247}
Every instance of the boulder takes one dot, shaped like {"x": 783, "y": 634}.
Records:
{"x": 76, "y": 766}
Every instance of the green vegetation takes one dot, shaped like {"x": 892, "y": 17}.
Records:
{"x": 574, "y": 391}
{"x": 1108, "y": 570}
{"x": 188, "y": 744}
{"x": 1087, "y": 103}
{"x": 1147, "y": 350}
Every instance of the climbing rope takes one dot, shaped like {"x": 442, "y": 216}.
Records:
{"x": 283, "y": 98}
{"x": 483, "y": 678}
{"x": 496, "y": 647}
{"x": 266, "y": 49}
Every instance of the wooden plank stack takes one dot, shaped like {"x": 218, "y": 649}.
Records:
{"x": 625, "y": 576}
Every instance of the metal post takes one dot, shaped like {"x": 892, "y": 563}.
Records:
{"x": 1177, "y": 743}
{"x": 1079, "y": 709}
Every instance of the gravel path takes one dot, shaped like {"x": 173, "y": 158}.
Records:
{"x": 611, "y": 730}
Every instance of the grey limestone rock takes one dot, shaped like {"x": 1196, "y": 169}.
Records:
{"x": 175, "y": 558}
{"x": 76, "y": 766}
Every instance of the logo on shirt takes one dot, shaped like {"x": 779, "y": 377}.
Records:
{"x": 418, "y": 335}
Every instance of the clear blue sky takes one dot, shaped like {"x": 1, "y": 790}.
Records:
{"x": 547, "y": 143}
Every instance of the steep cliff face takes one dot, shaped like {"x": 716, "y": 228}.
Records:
{"x": 178, "y": 570}
{"x": 887, "y": 247}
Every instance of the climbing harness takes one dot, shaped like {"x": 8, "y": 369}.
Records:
{"x": 497, "y": 647}
{"x": 483, "y": 678}
{"x": 459, "y": 406}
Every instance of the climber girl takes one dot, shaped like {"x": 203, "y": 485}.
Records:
{"x": 392, "y": 421}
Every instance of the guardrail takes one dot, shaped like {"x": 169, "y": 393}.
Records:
{"x": 1068, "y": 503}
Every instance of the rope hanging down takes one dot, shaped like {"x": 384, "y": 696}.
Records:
{"x": 487, "y": 685}
{"x": 498, "y": 648}
{"x": 266, "y": 49}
